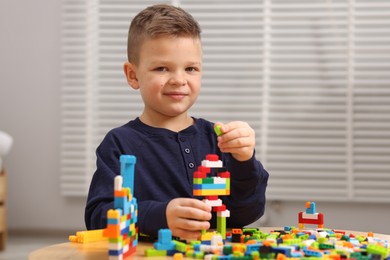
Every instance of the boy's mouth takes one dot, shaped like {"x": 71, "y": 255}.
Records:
{"x": 176, "y": 95}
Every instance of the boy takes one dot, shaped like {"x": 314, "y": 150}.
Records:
{"x": 165, "y": 65}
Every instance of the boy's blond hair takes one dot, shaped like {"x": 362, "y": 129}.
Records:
{"x": 159, "y": 20}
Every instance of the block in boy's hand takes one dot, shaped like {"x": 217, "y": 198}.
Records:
{"x": 218, "y": 130}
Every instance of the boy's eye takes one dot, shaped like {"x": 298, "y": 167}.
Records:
{"x": 191, "y": 69}
{"x": 161, "y": 69}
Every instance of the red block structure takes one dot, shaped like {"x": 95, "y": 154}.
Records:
{"x": 310, "y": 216}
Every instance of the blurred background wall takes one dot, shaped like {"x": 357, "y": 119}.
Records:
{"x": 30, "y": 112}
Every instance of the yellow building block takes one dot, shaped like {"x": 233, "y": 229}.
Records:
{"x": 88, "y": 236}
{"x": 210, "y": 192}
{"x": 112, "y": 213}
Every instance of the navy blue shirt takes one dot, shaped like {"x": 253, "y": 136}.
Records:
{"x": 166, "y": 161}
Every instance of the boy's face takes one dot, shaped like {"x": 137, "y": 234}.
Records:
{"x": 168, "y": 75}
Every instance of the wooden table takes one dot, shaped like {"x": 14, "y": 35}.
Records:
{"x": 78, "y": 251}
{"x": 99, "y": 250}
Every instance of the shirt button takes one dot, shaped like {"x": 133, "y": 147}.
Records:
{"x": 183, "y": 139}
{"x": 191, "y": 165}
{"x": 187, "y": 150}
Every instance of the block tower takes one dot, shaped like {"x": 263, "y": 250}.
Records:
{"x": 121, "y": 227}
{"x": 212, "y": 180}
{"x": 310, "y": 216}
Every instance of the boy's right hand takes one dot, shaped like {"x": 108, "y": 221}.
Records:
{"x": 186, "y": 217}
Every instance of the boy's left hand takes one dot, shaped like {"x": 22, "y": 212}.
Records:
{"x": 238, "y": 138}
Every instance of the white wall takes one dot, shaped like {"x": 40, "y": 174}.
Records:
{"x": 30, "y": 112}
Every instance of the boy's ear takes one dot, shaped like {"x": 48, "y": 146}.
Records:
{"x": 131, "y": 76}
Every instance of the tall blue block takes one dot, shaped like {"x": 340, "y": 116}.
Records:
{"x": 127, "y": 171}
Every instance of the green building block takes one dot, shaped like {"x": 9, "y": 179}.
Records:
{"x": 154, "y": 252}
{"x": 180, "y": 246}
{"x": 375, "y": 249}
{"x": 221, "y": 226}
{"x": 217, "y": 130}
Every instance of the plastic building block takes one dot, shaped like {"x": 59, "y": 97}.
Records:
{"x": 212, "y": 164}
{"x": 212, "y": 157}
{"x": 180, "y": 246}
{"x": 165, "y": 240}
{"x": 121, "y": 229}
{"x": 310, "y": 207}
{"x": 225, "y": 214}
{"x": 213, "y": 203}
{"x": 379, "y": 250}
{"x": 127, "y": 163}
{"x": 311, "y": 252}
{"x": 221, "y": 225}
{"x": 213, "y": 186}
{"x": 88, "y": 236}
{"x": 154, "y": 252}
{"x": 178, "y": 256}
{"x": 310, "y": 216}
{"x": 206, "y": 185}
{"x": 218, "y": 130}
{"x": 206, "y": 237}
{"x": 165, "y": 246}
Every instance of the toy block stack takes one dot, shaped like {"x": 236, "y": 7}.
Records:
{"x": 121, "y": 227}
{"x": 212, "y": 180}
{"x": 166, "y": 246}
{"x": 310, "y": 216}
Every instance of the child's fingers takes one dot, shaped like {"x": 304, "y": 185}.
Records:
{"x": 195, "y": 214}
{"x": 196, "y": 204}
{"x": 236, "y": 135}
{"x": 186, "y": 234}
{"x": 188, "y": 208}
{"x": 236, "y": 143}
{"x": 235, "y": 125}
{"x": 186, "y": 217}
{"x": 238, "y": 138}
{"x": 232, "y": 129}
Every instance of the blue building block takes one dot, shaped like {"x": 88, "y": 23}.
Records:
{"x": 164, "y": 241}
{"x": 210, "y": 186}
{"x": 282, "y": 250}
{"x": 127, "y": 163}
{"x": 313, "y": 253}
{"x": 311, "y": 209}
{"x": 252, "y": 247}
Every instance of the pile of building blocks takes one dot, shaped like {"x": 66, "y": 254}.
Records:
{"x": 121, "y": 230}
{"x": 212, "y": 180}
{"x": 310, "y": 216}
{"x": 288, "y": 243}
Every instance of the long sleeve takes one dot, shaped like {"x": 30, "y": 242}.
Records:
{"x": 151, "y": 216}
{"x": 247, "y": 193}
{"x": 101, "y": 190}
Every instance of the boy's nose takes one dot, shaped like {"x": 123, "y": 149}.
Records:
{"x": 178, "y": 80}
